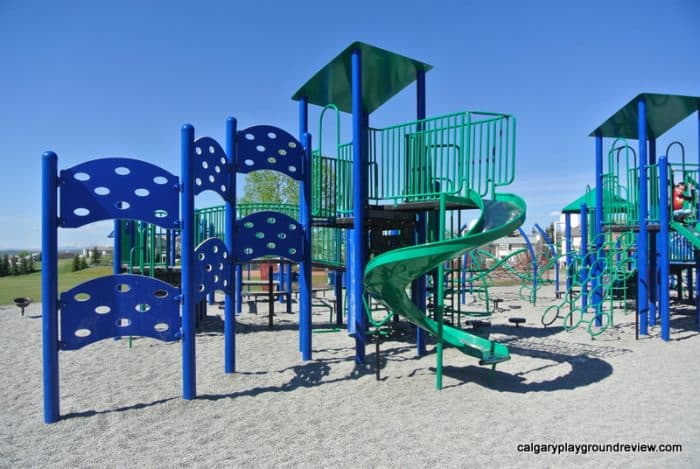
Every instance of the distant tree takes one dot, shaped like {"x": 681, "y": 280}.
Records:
{"x": 24, "y": 265}
{"x": 15, "y": 265}
{"x": 76, "y": 263}
{"x": 270, "y": 187}
{"x": 96, "y": 255}
{"x": 5, "y": 265}
{"x": 83, "y": 264}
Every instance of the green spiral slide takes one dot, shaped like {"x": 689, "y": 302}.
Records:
{"x": 387, "y": 275}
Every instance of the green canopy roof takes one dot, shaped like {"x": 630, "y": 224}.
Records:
{"x": 619, "y": 204}
{"x": 663, "y": 112}
{"x": 384, "y": 74}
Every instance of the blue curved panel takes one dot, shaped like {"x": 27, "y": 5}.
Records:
{"x": 211, "y": 168}
{"x": 267, "y": 147}
{"x": 118, "y": 188}
{"x": 212, "y": 271}
{"x": 116, "y": 306}
{"x": 268, "y": 234}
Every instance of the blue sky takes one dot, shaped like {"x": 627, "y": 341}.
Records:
{"x": 94, "y": 79}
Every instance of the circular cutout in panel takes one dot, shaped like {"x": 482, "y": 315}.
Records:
{"x": 122, "y": 205}
{"x": 208, "y": 267}
{"x": 212, "y": 150}
{"x": 282, "y": 152}
{"x": 160, "y": 293}
{"x": 216, "y": 279}
{"x": 292, "y": 169}
{"x": 123, "y": 322}
{"x": 160, "y": 180}
{"x": 271, "y": 160}
{"x": 271, "y": 245}
{"x": 292, "y": 251}
{"x": 211, "y": 178}
{"x": 82, "y": 333}
{"x": 282, "y": 235}
{"x": 271, "y": 135}
{"x": 160, "y": 214}
{"x": 223, "y": 188}
{"x": 248, "y": 224}
{"x": 226, "y": 283}
{"x": 271, "y": 220}
{"x": 198, "y": 150}
{"x": 122, "y": 171}
{"x": 142, "y": 192}
{"x": 215, "y": 249}
{"x": 260, "y": 148}
{"x": 221, "y": 266}
{"x": 201, "y": 287}
{"x": 248, "y": 251}
{"x": 142, "y": 307}
{"x": 217, "y": 169}
{"x": 123, "y": 287}
{"x": 161, "y": 327}
{"x": 205, "y": 165}
{"x": 198, "y": 181}
{"x": 249, "y": 162}
{"x": 260, "y": 235}
{"x": 292, "y": 227}
{"x": 81, "y": 212}
{"x": 102, "y": 190}
{"x": 81, "y": 297}
{"x": 292, "y": 144}
{"x": 82, "y": 177}
{"x": 103, "y": 309}
{"x": 224, "y": 255}
{"x": 201, "y": 256}
{"x": 249, "y": 136}
{"x": 223, "y": 160}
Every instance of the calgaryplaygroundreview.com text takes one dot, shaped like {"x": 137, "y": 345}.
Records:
{"x": 588, "y": 448}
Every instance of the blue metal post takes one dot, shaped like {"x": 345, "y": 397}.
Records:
{"x": 229, "y": 223}
{"x": 360, "y": 200}
{"x": 567, "y": 248}
{"x": 654, "y": 253}
{"x": 584, "y": 256}
{"x": 663, "y": 247}
{"x": 696, "y": 254}
{"x": 305, "y": 267}
{"x": 598, "y": 232}
{"x": 49, "y": 286}
{"x": 643, "y": 239}
{"x": 117, "y": 250}
{"x": 189, "y": 362}
{"x": 419, "y": 289}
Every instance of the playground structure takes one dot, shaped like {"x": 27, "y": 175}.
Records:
{"x": 628, "y": 232}
{"x": 394, "y": 192}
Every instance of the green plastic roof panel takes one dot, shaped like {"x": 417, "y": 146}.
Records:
{"x": 384, "y": 74}
{"x": 663, "y": 112}
{"x": 589, "y": 199}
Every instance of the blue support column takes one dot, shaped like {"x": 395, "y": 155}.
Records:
{"x": 568, "y": 248}
{"x": 49, "y": 286}
{"x": 419, "y": 290}
{"x": 643, "y": 238}
{"x": 598, "y": 231}
{"x": 117, "y": 250}
{"x": 584, "y": 257}
{"x": 189, "y": 363}
{"x": 305, "y": 267}
{"x": 230, "y": 303}
{"x": 654, "y": 253}
{"x": 360, "y": 201}
{"x": 697, "y": 254}
{"x": 663, "y": 247}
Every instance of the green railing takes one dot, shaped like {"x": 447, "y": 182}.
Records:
{"x": 419, "y": 160}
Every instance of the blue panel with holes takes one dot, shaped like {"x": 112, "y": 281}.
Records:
{"x": 267, "y": 147}
{"x": 268, "y": 234}
{"x": 211, "y": 168}
{"x": 118, "y": 188}
{"x": 212, "y": 272}
{"x": 116, "y": 306}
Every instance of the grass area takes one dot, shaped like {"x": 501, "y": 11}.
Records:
{"x": 30, "y": 285}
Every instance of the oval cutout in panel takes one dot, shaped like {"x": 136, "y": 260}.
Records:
{"x": 82, "y": 177}
{"x": 82, "y": 333}
{"x": 122, "y": 171}
{"x": 103, "y": 309}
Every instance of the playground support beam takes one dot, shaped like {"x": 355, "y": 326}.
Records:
{"x": 189, "y": 363}
{"x": 567, "y": 242}
{"x": 419, "y": 286}
{"x": 49, "y": 285}
{"x": 584, "y": 256}
{"x": 663, "y": 248}
{"x": 654, "y": 280}
{"x": 305, "y": 267}
{"x": 230, "y": 301}
{"x": 360, "y": 197}
{"x": 597, "y": 297}
{"x": 643, "y": 237}
{"x": 697, "y": 254}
